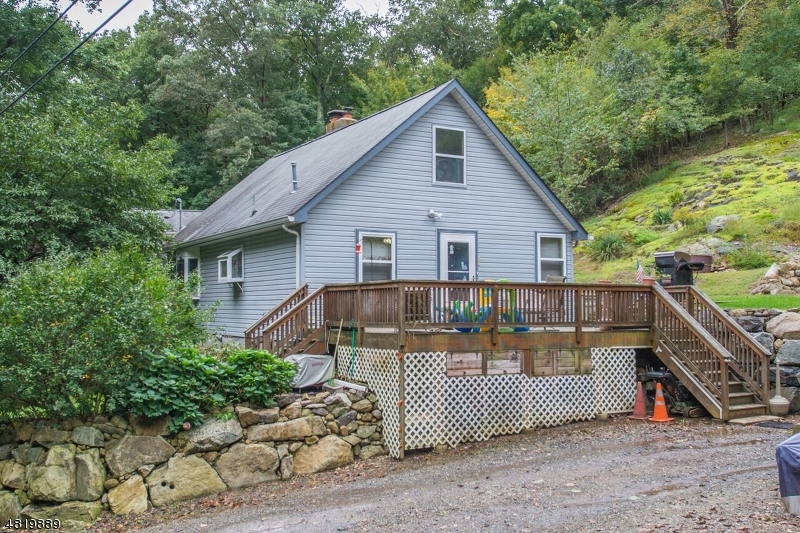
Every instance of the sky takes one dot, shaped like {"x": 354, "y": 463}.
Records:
{"x": 128, "y": 16}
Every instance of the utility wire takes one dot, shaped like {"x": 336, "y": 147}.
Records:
{"x": 60, "y": 61}
{"x": 37, "y": 39}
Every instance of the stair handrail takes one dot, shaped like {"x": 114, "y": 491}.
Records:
{"x": 714, "y": 347}
{"x": 756, "y": 378}
{"x": 297, "y": 311}
{"x": 254, "y": 335}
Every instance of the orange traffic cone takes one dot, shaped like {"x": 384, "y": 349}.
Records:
{"x": 660, "y": 411}
{"x": 639, "y": 407}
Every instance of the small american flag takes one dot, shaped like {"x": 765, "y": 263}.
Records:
{"x": 639, "y": 272}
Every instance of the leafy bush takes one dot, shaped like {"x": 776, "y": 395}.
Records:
{"x": 72, "y": 330}
{"x": 184, "y": 383}
{"x": 676, "y": 197}
{"x": 644, "y": 236}
{"x": 748, "y": 257}
{"x": 607, "y": 247}
{"x": 662, "y": 217}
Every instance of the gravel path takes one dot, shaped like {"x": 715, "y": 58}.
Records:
{"x": 620, "y": 475}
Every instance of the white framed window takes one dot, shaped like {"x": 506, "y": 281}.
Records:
{"x": 449, "y": 156}
{"x": 187, "y": 263}
{"x": 552, "y": 255}
{"x": 231, "y": 266}
{"x": 376, "y": 262}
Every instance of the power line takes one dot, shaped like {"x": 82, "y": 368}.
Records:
{"x": 60, "y": 61}
{"x": 37, "y": 39}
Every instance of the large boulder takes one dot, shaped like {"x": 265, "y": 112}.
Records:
{"x": 48, "y": 436}
{"x": 329, "y": 453}
{"x": 717, "y": 223}
{"x": 12, "y": 476}
{"x": 767, "y": 340}
{"x": 26, "y": 454}
{"x": 66, "y": 512}
{"x": 249, "y": 417}
{"x": 789, "y": 354}
{"x": 297, "y": 429}
{"x": 213, "y": 435}
{"x": 183, "y": 478}
{"x": 129, "y": 497}
{"x": 55, "y": 480}
{"x": 785, "y": 326}
{"x": 9, "y": 507}
{"x": 131, "y": 452}
{"x": 247, "y": 464}
{"x": 88, "y": 436}
{"x": 751, "y": 324}
{"x": 371, "y": 451}
{"x": 90, "y": 475}
{"x": 5, "y": 451}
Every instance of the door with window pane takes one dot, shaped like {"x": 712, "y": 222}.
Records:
{"x": 457, "y": 257}
{"x": 552, "y": 256}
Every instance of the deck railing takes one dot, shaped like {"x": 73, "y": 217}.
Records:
{"x": 751, "y": 358}
{"x": 465, "y": 305}
{"x": 255, "y": 333}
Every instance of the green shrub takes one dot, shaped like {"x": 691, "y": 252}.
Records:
{"x": 644, "y": 236}
{"x": 676, "y": 197}
{"x": 607, "y": 247}
{"x": 72, "y": 330}
{"x": 748, "y": 257}
{"x": 184, "y": 383}
{"x": 662, "y": 217}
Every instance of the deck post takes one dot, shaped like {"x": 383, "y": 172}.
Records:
{"x": 578, "y": 314}
{"x": 495, "y": 313}
{"x": 401, "y": 403}
{"x": 401, "y": 314}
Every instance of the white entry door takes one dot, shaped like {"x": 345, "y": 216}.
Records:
{"x": 457, "y": 257}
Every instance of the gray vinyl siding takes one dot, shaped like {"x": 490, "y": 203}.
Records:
{"x": 269, "y": 276}
{"x": 393, "y": 193}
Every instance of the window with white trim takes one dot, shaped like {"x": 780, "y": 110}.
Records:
{"x": 231, "y": 266}
{"x": 552, "y": 256}
{"x": 449, "y": 159}
{"x": 376, "y": 262}
{"x": 186, "y": 264}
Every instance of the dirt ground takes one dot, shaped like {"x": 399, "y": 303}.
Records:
{"x": 619, "y": 475}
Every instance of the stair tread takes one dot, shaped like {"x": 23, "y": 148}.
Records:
{"x": 744, "y": 406}
{"x": 740, "y": 394}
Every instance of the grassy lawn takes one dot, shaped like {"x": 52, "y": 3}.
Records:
{"x": 731, "y": 290}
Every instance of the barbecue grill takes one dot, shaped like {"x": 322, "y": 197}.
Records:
{"x": 678, "y": 266}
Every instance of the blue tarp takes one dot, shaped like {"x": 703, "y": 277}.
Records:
{"x": 787, "y": 454}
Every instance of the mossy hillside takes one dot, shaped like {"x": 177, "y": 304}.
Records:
{"x": 758, "y": 180}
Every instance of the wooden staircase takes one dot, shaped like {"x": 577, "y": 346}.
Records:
{"x": 721, "y": 365}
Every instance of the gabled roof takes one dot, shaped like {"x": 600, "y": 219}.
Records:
{"x": 265, "y": 197}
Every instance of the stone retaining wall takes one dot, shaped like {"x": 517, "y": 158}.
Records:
{"x": 74, "y": 470}
{"x": 779, "y": 332}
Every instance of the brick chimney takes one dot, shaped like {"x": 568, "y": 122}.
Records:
{"x": 339, "y": 118}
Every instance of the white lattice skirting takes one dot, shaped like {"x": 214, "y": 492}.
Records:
{"x": 452, "y": 410}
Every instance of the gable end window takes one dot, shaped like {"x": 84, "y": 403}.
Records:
{"x": 552, "y": 256}
{"x": 449, "y": 159}
{"x": 231, "y": 266}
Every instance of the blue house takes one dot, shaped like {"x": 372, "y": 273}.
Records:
{"x": 426, "y": 189}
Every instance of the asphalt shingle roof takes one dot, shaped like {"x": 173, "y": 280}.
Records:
{"x": 268, "y": 190}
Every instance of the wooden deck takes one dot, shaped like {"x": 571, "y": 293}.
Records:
{"x": 720, "y": 363}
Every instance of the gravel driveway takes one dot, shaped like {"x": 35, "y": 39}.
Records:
{"x": 620, "y": 475}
